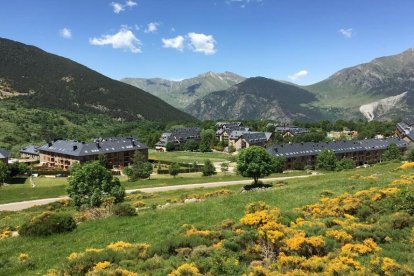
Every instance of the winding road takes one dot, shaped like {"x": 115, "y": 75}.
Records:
{"x": 17, "y": 206}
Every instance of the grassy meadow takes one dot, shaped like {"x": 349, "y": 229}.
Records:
{"x": 159, "y": 227}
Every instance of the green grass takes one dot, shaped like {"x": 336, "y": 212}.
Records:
{"x": 56, "y": 187}
{"x": 189, "y": 157}
{"x": 157, "y": 227}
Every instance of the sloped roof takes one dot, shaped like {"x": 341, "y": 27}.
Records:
{"x": 4, "y": 154}
{"x": 101, "y": 146}
{"x": 310, "y": 148}
{"x": 30, "y": 149}
{"x": 255, "y": 137}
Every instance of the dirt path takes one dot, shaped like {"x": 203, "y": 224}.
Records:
{"x": 17, "y": 206}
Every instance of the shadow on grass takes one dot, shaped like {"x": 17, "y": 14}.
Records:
{"x": 17, "y": 180}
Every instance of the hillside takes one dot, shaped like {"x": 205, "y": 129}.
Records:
{"x": 369, "y": 83}
{"x": 46, "y": 80}
{"x": 256, "y": 98}
{"x": 181, "y": 93}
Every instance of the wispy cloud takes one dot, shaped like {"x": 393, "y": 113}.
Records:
{"x": 347, "y": 33}
{"x": 175, "y": 43}
{"x": 65, "y": 33}
{"x": 202, "y": 43}
{"x": 298, "y": 75}
{"x": 124, "y": 39}
{"x": 119, "y": 7}
{"x": 243, "y": 3}
{"x": 152, "y": 27}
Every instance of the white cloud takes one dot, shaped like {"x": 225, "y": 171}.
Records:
{"x": 124, "y": 39}
{"x": 243, "y": 3}
{"x": 175, "y": 43}
{"x": 202, "y": 43}
{"x": 65, "y": 33}
{"x": 298, "y": 75}
{"x": 117, "y": 7}
{"x": 152, "y": 27}
{"x": 130, "y": 3}
{"x": 347, "y": 33}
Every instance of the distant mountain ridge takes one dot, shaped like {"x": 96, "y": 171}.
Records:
{"x": 182, "y": 93}
{"x": 47, "y": 80}
{"x": 256, "y": 98}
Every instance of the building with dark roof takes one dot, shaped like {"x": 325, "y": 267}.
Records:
{"x": 290, "y": 131}
{"x": 367, "y": 151}
{"x": 118, "y": 152}
{"x": 223, "y": 133}
{"x": 245, "y": 139}
{"x": 178, "y": 137}
{"x": 30, "y": 152}
{"x": 405, "y": 130}
{"x": 4, "y": 156}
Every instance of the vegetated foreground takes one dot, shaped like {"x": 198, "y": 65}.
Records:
{"x": 358, "y": 221}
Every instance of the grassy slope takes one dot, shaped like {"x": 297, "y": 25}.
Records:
{"x": 159, "y": 226}
{"x": 189, "y": 157}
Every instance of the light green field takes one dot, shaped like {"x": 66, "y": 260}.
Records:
{"x": 157, "y": 227}
{"x": 189, "y": 157}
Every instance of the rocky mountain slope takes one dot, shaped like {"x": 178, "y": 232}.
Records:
{"x": 42, "y": 79}
{"x": 181, "y": 93}
{"x": 256, "y": 98}
{"x": 369, "y": 82}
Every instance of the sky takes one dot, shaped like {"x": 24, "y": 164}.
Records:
{"x": 302, "y": 41}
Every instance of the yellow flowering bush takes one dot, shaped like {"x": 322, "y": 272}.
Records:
{"x": 119, "y": 245}
{"x": 196, "y": 232}
{"x": 23, "y": 257}
{"x": 5, "y": 234}
{"x": 407, "y": 165}
{"x": 101, "y": 266}
{"x": 339, "y": 235}
{"x": 355, "y": 249}
{"x": 186, "y": 270}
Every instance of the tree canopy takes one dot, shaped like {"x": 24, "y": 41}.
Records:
{"x": 91, "y": 183}
{"x": 326, "y": 160}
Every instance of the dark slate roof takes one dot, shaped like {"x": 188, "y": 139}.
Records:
{"x": 236, "y": 134}
{"x": 292, "y": 129}
{"x": 179, "y": 135}
{"x": 4, "y": 154}
{"x": 227, "y": 124}
{"x": 310, "y": 148}
{"x": 30, "y": 149}
{"x": 100, "y": 146}
{"x": 255, "y": 137}
{"x": 404, "y": 128}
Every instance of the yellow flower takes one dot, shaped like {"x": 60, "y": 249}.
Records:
{"x": 186, "y": 270}
{"x": 296, "y": 241}
{"x": 195, "y": 232}
{"x": 74, "y": 256}
{"x": 94, "y": 250}
{"x": 23, "y": 257}
{"x": 406, "y": 166}
{"x": 119, "y": 245}
{"x": 101, "y": 266}
{"x": 339, "y": 235}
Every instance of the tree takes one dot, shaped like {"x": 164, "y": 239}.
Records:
{"x": 4, "y": 172}
{"x": 326, "y": 160}
{"x": 345, "y": 164}
{"x": 91, "y": 183}
{"x": 208, "y": 138}
{"x": 191, "y": 145}
{"x": 174, "y": 169}
{"x": 139, "y": 168}
{"x": 410, "y": 155}
{"x": 255, "y": 162}
{"x": 170, "y": 146}
{"x": 208, "y": 168}
{"x": 278, "y": 164}
{"x": 224, "y": 167}
{"x": 392, "y": 152}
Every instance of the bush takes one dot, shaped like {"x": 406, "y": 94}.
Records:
{"x": 48, "y": 223}
{"x": 345, "y": 164}
{"x": 208, "y": 168}
{"x": 124, "y": 210}
{"x": 326, "y": 160}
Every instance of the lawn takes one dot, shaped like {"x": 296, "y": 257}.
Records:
{"x": 157, "y": 227}
{"x": 55, "y": 187}
{"x": 189, "y": 157}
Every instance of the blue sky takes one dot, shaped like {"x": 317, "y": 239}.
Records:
{"x": 301, "y": 41}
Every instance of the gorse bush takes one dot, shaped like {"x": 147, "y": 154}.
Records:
{"x": 48, "y": 223}
{"x": 124, "y": 210}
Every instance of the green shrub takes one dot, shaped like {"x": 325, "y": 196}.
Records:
{"x": 124, "y": 210}
{"x": 400, "y": 220}
{"x": 48, "y": 223}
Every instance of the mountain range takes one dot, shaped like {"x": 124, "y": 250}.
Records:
{"x": 41, "y": 79}
{"x": 380, "y": 89}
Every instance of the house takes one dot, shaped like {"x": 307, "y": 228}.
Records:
{"x": 290, "y": 131}
{"x": 361, "y": 151}
{"x": 118, "y": 152}
{"x": 4, "y": 156}
{"x": 178, "y": 137}
{"x": 30, "y": 152}
{"x": 405, "y": 130}
{"x": 224, "y": 131}
{"x": 245, "y": 139}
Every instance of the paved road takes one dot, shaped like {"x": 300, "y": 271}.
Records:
{"x": 17, "y": 206}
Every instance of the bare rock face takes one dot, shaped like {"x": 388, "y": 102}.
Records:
{"x": 380, "y": 108}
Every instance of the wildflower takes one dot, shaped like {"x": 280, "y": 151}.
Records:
{"x": 94, "y": 250}
{"x": 23, "y": 257}
{"x": 195, "y": 232}
{"x": 74, "y": 256}
{"x": 119, "y": 245}
{"x": 101, "y": 266}
{"x": 186, "y": 270}
{"x": 339, "y": 235}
